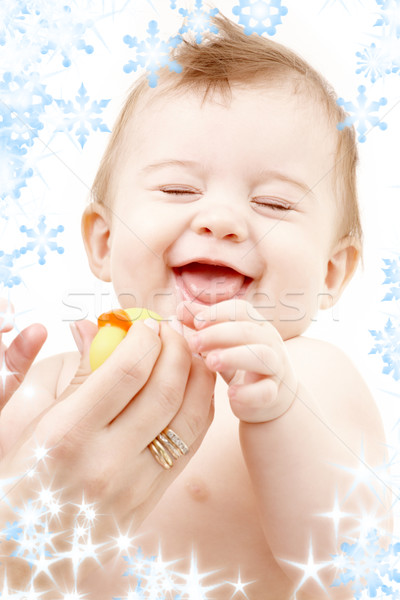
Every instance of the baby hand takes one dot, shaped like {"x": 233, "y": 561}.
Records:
{"x": 236, "y": 341}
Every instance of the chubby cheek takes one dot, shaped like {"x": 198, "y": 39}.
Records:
{"x": 288, "y": 296}
{"x": 140, "y": 278}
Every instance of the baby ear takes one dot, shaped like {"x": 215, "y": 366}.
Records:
{"x": 96, "y": 227}
{"x": 340, "y": 269}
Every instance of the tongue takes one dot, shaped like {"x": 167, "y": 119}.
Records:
{"x": 211, "y": 283}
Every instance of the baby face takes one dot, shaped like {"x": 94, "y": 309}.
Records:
{"x": 225, "y": 200}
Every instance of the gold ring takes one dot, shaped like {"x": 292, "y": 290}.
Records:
{"x": 166, "y": 446}
{"x": 160, "y": 454}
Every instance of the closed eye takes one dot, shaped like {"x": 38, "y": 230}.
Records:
{"x": 271, "y": 203}
{"x": 179, "y": 191}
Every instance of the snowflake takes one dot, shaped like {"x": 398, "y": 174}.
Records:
{"x": 152, "y": 53}
{"x": 387, "y": 344}
{"x": 374, "y": 63}
{"x": 47, "y": 28}
{"x": 14, "y": 169}
{"x": 365, "y": 564}
{"x": 199, "y": 20}
{"x": 23, "y": 102}
{"x": 389, "y": 17}
{"x": 42, "y": 239}
{"x": 82, "y": 115}
{"x": 63, "y": 31}
{"x": 12, "y": 531}
{"x": 392, "y": 273}
{"x": 11, "y": 20}
{"x": 362, "y": 113}
{"x": 7, "y": 277}
{"x": 259, "y": 16}
{"x": 173, "y": 4}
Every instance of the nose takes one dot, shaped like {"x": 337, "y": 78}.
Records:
{"x": 221, "y": 221}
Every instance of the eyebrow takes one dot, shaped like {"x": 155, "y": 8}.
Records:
{"x": 168, "y": 163}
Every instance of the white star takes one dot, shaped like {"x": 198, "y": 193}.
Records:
{"x": 43, "y": 564}
{"x": 363, "y": 475}
{"x": 31, "y": 594}
{"x": 239, "y": 586}
{"x": 193, "y": 587}
{"x": 336, "y": 514}
{"x": 4, "y": 373}
{"x": 87, "y": 510}
{"x": 124, "y": 541}
{"x": 6, "y": 592}
{"x": 310, "y": 568}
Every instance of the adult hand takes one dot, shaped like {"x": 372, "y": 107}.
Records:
{"x": 16, "y": 360}
{"x": 96, "y": 439}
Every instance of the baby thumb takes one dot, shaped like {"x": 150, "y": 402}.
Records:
{"x": 83, "y": 333}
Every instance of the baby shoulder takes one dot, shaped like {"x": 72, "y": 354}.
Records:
{"x": 337, "y": 386}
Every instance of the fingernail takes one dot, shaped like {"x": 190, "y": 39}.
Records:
{"x": 175, "y": 324}
{"x": 76, "y": 334}
{"x": 199, "y": 320}
{"x": 152, "y": 324}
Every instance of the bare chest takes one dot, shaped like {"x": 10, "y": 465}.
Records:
{"x": 208, "y": 518}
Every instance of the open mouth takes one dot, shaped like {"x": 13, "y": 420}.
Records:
{"x": 210, "y": 283}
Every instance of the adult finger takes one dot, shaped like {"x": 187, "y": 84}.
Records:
{"x": 161, "y": 398}
{"x": 20, "y": 355}
{"x": 83, "y": 333}
{"x": 197, "y": 408}
{"x": 110, "y": 388}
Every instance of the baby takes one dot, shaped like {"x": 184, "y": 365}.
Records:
{"x": 227, "y": 197}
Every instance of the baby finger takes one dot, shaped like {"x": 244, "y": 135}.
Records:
{"x": 255, "y": 358}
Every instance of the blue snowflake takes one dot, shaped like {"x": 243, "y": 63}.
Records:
{"x": 172, "y": 4}
{"x": 198, "y": 20}
{"x": 366, "y": 564}
{"x": 46, "y": 28}
{"x": 42, "y": 239}
{"x": 152, "y": 53}
{"x": 23, "y": 102}
{"x": 389, "y": 17}
{"x": 11, "y": 20}
{"x": 392, "y": 273}
{"x": 12, "y": 531}
{"x": 64, "y": 31}
{"x": 363, "y": 114}
{"x": 82, "y": 116}
{"x": 387, "y": 344}
{"x": 7, "y": 277}
{"x": 374, "y": 62}
{"x": 259, "y": 16}
{"x": 14, "y": 168}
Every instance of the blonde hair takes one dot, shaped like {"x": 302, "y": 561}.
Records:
{"x": 232, "y": 57}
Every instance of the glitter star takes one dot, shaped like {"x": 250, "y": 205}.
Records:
{"x": 310, "y": 568}
{"x": 193, "y": 587}
{"x": 239, "y": 586}
{"x": 336, "y": 514}
{"x": 4, "y": 373}
{"x": 363, "y": 475}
